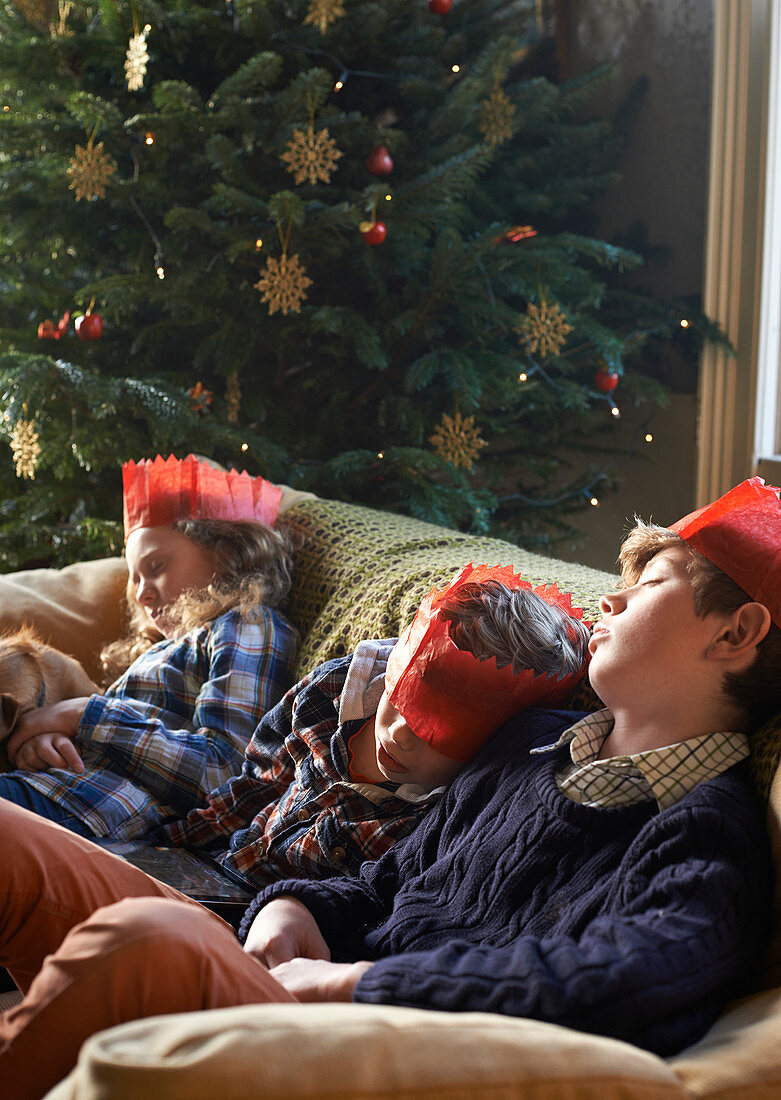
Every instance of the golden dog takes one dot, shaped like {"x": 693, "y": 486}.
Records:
{"x": 33, "y": 674}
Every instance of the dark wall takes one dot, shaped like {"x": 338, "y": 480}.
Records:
{"x": 662, "y": 48}
{"x": 667, "y": 45}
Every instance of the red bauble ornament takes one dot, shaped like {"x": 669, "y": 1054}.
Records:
{"x": 89, "y": 327}
{"x": 201, "y": 398}
{"x": 373, "y": 232}
{"x": 440, "y": 7}
{"x": 53, "y": 330}
{"x": 379, "y": 161}
{"x": 605, "y": 380}
{"x": 47, "y": 330}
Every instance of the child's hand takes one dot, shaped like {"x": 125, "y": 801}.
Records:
{"x": 315, "y": 980}
{"x": 61, "y": 718}
{"x": 47, "y": 750}
{"x": 283, "y": 930}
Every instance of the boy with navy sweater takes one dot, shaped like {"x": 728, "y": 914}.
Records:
{"x": 612, "y": 874}
{"x": 614, "y": 878}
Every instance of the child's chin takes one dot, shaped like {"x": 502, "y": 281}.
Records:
{"x": 391, "y": 777}
{"x": 160, "y": 624}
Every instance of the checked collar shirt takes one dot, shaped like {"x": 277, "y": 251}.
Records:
{"x": 662, "y": 775}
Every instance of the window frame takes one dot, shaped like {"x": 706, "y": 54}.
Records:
{"x": 739, "y": 429}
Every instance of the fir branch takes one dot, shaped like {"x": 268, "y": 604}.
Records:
{"x": 176, "y": 97}
{"x": 93, "y": 112}
{"x": 261, "y": 71}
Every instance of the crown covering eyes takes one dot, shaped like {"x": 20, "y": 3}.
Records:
{"x": 158, "y": 492}
{"x": 454, "y": 700}
{"x": 741, "y": 534}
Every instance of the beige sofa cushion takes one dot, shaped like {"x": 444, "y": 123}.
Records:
{"x": 77, "y": 609}
{"x": 357, "y": 1052}
{"x": 740, "y": 1057}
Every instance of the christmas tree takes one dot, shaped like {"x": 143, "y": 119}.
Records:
{"x": 343, "y": 243}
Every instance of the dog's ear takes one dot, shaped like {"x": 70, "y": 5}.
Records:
{"x": 9, "y": 715}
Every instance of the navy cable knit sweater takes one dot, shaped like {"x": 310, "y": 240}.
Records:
{"x": 510, "y": 898}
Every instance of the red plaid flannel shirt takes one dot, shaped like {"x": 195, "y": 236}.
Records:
{"x": 294, "y": 811}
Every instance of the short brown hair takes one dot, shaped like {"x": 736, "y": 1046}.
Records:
{"x": 757, "y": 691}
{"x": 517, "y": 626}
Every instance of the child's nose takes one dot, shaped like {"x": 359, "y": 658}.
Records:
{"x": 145, "y": 591}
{"x": 401, "y": 733}
{"x": 610, "y": 602}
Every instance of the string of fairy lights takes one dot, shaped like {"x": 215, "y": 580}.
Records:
{"x": 589, "y": 489}
{"x": 311, "y": 156}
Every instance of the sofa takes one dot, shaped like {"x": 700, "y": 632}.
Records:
{"x": 361, "y": 573}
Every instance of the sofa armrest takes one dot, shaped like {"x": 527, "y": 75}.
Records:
{"x": 77, "y": 609}
{"x": 357, "y": 1052}
{"x": 740, "y": 1057}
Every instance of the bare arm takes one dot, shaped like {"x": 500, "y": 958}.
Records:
{"x": 284, "y": 930}
{"x": 43, "y": 738}
{"x": 316, "y": 980}
{"x": 284, "y": 936}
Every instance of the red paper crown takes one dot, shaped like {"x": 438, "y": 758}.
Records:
{"x": 158, "y": 492}
{"x": 741, "y": 534}
{"x": 454, "y": 700}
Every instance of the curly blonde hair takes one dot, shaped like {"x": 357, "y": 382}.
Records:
{"x": 256, "y": 568}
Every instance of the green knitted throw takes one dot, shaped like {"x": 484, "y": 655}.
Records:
{"x": 361, "y": 573}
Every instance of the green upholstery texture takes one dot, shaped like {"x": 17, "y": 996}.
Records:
{"x": 361, "y": 573}
{"x": 765, "y": 755}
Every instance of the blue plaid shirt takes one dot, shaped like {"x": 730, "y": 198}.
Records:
{"x": 174, "y": 726}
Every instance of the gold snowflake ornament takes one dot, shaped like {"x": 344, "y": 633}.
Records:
{"x": 496, "y": 123}
{"x": 311, "y": 155}
{"x": 283, "y": 284}
{"x": 322, "y": 13}
{"x": 38, "y": 12}
{"x": 136, "y": 61}
{"x": 457, "y": 440}
{"x": 90, "y": 170}
{"x": 544, "y": 329}
{"x": 25, "y": 448}
{"x": 61, "y": 26}
{"x": 46, "y": 15}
